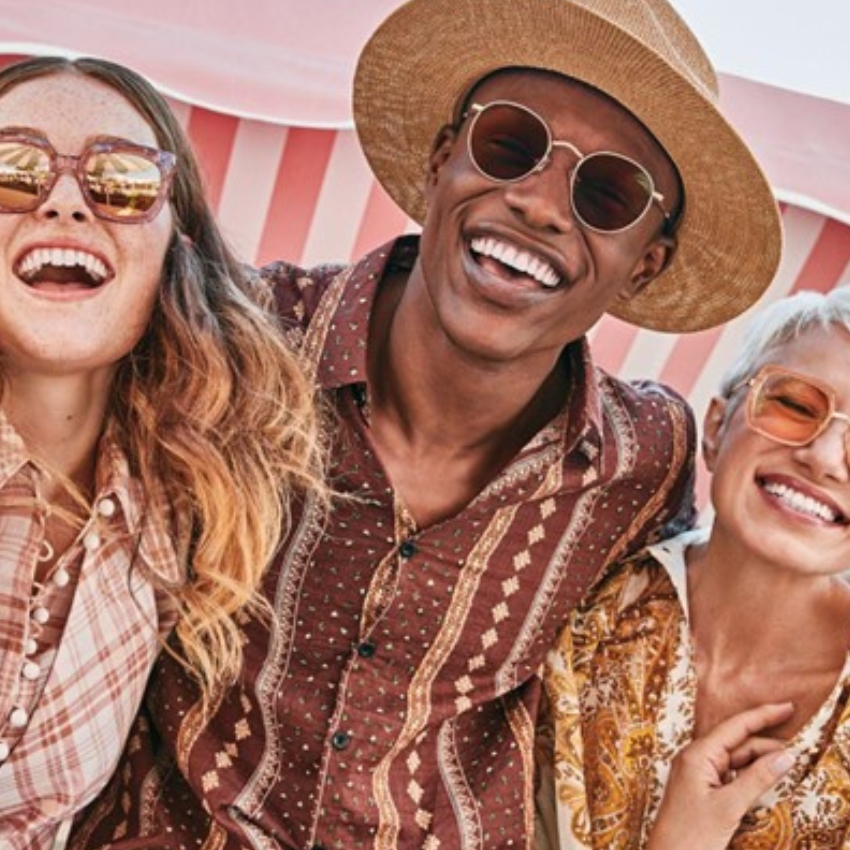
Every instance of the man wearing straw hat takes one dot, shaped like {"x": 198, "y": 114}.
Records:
{"x": 566, "y": 158}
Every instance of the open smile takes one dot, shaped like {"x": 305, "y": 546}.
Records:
{"x": 803, "y": 503}
{"x": 48, "y": 268}
{"x": 516, "y": 260}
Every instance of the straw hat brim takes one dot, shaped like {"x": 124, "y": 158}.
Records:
{"x": 428, "y": 53}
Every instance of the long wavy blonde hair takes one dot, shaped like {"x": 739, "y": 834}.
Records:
{"x": 211, "y": 405}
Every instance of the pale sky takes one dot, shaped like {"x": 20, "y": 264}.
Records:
{"x": 803, "y": 45}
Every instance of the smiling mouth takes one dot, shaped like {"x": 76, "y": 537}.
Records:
{"x": 516, "y": 260}
{"x": 45, "y": 267}
{"x": 804, "y": 504}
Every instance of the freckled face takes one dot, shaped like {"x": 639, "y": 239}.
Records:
{"x": 495, "y": 311}
{"x": 88, "y": 314}
{"x": 788, "y": 505}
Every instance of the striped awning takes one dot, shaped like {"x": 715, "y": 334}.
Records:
{"x": 263, "y": 89}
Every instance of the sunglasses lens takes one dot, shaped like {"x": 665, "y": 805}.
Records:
{"x": 610, "y": 192}
{"x": 789, "y": 409}
{"x": 507, "y": 142}
{"x": 122, "y": 184}
{"x": 24, "y": 174}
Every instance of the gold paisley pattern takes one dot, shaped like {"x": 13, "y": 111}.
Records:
{"x": 622, "y": 687}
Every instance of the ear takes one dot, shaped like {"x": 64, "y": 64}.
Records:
{"x": 655, "y": 259}
{"x": 712, "y": 430}
{"x": 441, "y": 150}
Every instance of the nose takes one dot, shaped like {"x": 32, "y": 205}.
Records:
{"x": 65, "y": 200}
{"x": 542, "y": 199}
{"x": 829, "y": 453}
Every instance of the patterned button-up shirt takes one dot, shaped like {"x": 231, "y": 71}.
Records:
{"x": 623, "y": 686}
{"x": 76, "y": 648}
{"x": 391, "y": 702}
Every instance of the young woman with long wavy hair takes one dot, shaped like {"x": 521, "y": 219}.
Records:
{"x": 154, "y": 427}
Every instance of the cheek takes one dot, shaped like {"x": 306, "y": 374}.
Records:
{"x": 144, "y": 251}
{"x": 734, "y": 461}
{"x": 454, "y": 180}
{"x": 142, "y": 262}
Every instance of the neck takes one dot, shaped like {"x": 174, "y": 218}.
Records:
{"x": 442, "y": 396}
{"x": 763, "y": 635}
{"x": 749, "y": 614}
{"x": 444, "y": 423}
{"x": 60, "y": 419}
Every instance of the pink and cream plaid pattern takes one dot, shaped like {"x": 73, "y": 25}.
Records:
{"x": 75, "y": 656}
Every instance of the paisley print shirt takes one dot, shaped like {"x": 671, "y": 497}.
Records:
{"x": 622, "y": 689}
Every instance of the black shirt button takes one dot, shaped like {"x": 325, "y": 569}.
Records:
{"x": 407, "y": 549}
{"x": 366, "y": 649}
{"x": 340, "y": 740}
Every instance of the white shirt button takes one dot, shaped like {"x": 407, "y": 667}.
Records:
{"x": 18, "y": 718}
{"x": 30, "y": 671}
{"x": 31, "y": 646}
{"x": 106, "y": 507}
{"x": 4, "y": 751}
{"x": 91, "y": 542}
{"x": 41, "y": 615}
{"x": 61, "y": 577}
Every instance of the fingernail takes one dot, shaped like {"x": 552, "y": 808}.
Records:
{"x": 782, "y": 763}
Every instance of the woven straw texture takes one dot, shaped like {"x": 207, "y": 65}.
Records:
{"x": 424, "y": 58}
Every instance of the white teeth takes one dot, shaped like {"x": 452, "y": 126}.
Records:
{"x": 801, "y": 503}
{"x": 515, "y": 258}
{"x": 63, "y": 257}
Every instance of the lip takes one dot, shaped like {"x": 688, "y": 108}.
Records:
{"x": 94, "y": 271}
{"x": 801, "y": 501}
{"x": 505, "y": 282}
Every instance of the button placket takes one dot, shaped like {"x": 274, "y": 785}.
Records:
{"x": 340, "y": 740}
{"x": 18, "y": 717}
{"x": 366, "y": 649}
{"x": 30, "y": 671}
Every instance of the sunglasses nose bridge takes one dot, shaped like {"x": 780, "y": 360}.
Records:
{"x": 841, "y": 417}
{"x": 557, "y": 143}
{"x": 569, "y": 146}
{"x": 65, "y": 165}
{"x": 826, "y": 428}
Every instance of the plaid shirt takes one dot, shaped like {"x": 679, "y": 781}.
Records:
{"x": 75, "y": 656}
{"x": 391, "y": 702}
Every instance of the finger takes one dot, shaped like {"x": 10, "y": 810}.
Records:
{"x": 752, "y": 749}
{"x": 732, "y": 733}
{"x": 753, "y": 781}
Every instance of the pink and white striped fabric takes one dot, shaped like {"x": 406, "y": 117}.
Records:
{"x": 306, "y": 194}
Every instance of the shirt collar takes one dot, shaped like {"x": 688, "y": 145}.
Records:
{"x": 670, "y": 554}
{"x": 150, "y": 518}
{"x": 344, "y": 357}
{"x": 13, "y": 453}
{"x": 343, "y": 360}
{"x": 581, "y": 421}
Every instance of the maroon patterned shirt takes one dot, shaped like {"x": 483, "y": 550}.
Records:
{"x": 392, "y": 701}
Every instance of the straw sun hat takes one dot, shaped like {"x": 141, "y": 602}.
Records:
{"x": 428, "y": 53}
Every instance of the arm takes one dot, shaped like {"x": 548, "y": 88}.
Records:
{"x": 716, "y": 778}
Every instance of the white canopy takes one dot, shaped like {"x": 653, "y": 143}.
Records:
{"x": 785, "y": 80}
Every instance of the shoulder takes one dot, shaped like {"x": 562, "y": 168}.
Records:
{"x": 623, "y": 608}
{"x": 646, "y": 400}
{"x": 655, "y": 426}
{"x": 298, "y": 291}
